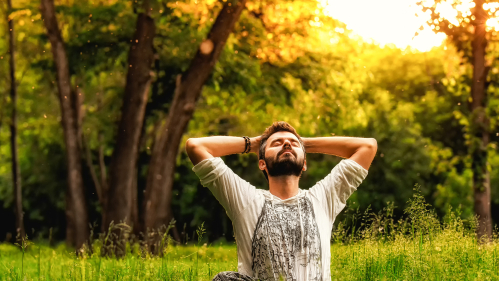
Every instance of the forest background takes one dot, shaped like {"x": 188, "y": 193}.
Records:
{"x": 282, "y": 60}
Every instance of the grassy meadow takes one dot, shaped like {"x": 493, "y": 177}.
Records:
{"x": 418, "y": 247}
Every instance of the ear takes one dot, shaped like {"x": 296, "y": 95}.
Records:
{"x": 261, "y": 164}
{"x": 304, "y": 165}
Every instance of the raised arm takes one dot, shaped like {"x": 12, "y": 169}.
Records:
{"x": 199, "y": 149}
{"x": 361, "y": 150}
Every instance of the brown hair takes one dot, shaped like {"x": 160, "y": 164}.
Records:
{"x": 279, "y": 126}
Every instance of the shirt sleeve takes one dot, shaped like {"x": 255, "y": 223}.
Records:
{"x": 334, "y": 190}
{"x": 229, "y": 189}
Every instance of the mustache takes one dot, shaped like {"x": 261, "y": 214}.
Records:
{"x": 284, "y": 150}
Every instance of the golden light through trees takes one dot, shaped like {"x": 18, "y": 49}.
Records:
{"x": 493, "y": 11}
{"x": 397, "y": 21}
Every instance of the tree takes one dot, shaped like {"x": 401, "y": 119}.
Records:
{"x": 120, "y": 205}
{"x": 468, "y": 33}
{"x": 479, "y": 121}
{"x": 76, "y": 211}
{"x": 16, "y": 172}
{"x": 158, "y": 194}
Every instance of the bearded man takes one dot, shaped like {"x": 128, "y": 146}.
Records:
{"x": 282, "y": 233}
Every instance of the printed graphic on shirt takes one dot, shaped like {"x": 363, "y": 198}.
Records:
{"x": 286, "y": 242}
{"x": 231, "y": 276}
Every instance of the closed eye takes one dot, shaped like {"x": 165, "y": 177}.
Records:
{"x": 279, "y": 142}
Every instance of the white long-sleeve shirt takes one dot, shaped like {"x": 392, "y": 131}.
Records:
{"x": 275, "y": 237}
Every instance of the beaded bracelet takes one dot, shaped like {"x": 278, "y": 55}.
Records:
{"x": 247, "y": 146}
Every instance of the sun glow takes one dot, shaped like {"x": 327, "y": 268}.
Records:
{"x": 397, "y": 21}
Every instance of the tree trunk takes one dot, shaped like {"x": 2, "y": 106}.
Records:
{"x": 157, "y": 201}
{"x": 479, "y": 126}
{"x": 77, "y": 207}
{"x": 124, "y": 160}
{"x": 16, "y": 172}
{"x": 103, "y": 180}
{"x": 70, "y": 227}
{"x": 134, "y": 217}
{"x": 77, "y": 102}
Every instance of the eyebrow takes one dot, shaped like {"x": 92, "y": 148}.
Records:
{"x": 280, "y": 139}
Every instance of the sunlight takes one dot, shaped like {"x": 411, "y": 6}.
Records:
{"x": 377, "y": 20}
{"x": 397, "y": 21}
{"x": 492, "y": 24}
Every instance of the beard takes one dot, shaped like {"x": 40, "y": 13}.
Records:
{"x": 287, "y": 165}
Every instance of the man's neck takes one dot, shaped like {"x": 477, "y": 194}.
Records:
{"x": 284, "y": 187}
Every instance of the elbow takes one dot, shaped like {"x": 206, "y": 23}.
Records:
{"x": 190, "y": 145}
{"x": 372, "y": 143}
{"x": 190, "y": 142}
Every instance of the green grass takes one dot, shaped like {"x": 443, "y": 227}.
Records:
{"x": 448, "y": 257}
{"x": 418, "y": 247}
{"x": 179, "y": 263}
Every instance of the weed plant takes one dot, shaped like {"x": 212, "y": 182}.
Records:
{"x": 365, "y": 246}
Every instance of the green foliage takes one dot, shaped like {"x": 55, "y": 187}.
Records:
{"x": 462, "y": 30}
{"x": 284, "y": 61}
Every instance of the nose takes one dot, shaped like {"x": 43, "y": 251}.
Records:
{"x": 287, "y": 145}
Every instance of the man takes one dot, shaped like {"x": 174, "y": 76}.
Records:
{"x": 282, "y": 233}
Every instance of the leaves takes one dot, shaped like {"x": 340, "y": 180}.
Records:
{"x": 284, "y": 61}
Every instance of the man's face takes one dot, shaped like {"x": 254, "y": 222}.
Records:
{"x": 284, "y": 155}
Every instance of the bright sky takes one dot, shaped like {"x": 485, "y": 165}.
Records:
{"x": 386, "y": 21}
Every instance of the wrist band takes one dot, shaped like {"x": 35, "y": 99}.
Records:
{"x": 247, "y": 146}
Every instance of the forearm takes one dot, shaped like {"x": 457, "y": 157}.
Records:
{"x": 216, "y": 146}
{"x": 219, "y": 145}
{"x": 343, "y": 147}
